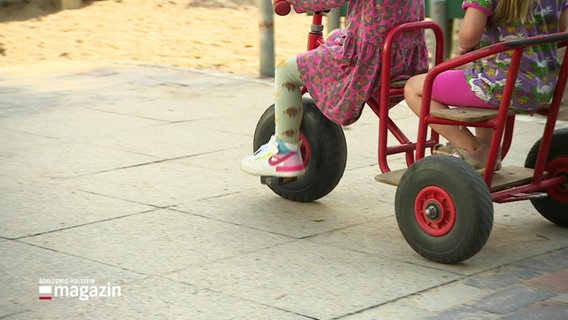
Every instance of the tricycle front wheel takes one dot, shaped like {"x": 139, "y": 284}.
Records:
{"x": 324, "y": 151}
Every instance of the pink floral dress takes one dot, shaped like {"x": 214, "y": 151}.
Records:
{"x": 343, "y": 73}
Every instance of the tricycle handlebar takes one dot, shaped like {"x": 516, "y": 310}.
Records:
{"x": 282, "y": 7}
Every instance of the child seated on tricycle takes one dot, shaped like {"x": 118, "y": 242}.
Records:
{"x": 481, "y": 85}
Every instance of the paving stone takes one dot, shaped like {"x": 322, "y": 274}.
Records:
{"x": 312, "y": 279}
{"x": 35, "y": 157}
{"x": 161, "y": 184}
{"x": 130, "y": 173}
{"x": 74, "y": 121}
{"x": 548, "y": 261}
{"x": 555, "y": 281}
{"x": 261, "y": 209}
{"x": 562, "y": 298}
{"x": 157, "y": 242}
{"x": 29, "y": 208}
{"x": 447, "y": 297}
{"x": 395, "y": 310}
{"x": 501, "y": 278}
{"x": 463, "y": 313}
{"x": 544, "y": 310}
{"x": 504, "y": 247}
{"x": 510, "y": 299}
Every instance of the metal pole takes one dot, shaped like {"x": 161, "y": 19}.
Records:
{"x": 266, "y": 26}
{"x": 333, "y": 19}
{"x": 439, "y": 16}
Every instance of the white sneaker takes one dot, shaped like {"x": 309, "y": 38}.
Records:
{"x": 269, "y": 161}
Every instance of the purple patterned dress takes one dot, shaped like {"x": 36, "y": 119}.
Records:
{"x": 539, "y": 67}
{"x": 342, "y": 74}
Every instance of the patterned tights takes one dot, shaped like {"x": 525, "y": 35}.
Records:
{"x": 288, "y": 101}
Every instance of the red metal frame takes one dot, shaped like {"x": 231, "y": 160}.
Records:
{"x": 386, "y": 97}
{"x": 382, "y": 100}
{"x": 504, "y": 123}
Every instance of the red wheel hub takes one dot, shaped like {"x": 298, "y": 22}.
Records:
{"x": 434, "y": 211}
{"x": 559, "y": 167}
{"x": 304, "y": 149}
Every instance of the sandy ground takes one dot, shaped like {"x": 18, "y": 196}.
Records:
{"x": 220, "y": 35}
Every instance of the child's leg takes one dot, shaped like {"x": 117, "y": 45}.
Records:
{"x": 460, "y": 137}
{"x": 484, "y": 135}
{"x": 450, "y": 88}
{"x": 288, "y": 102}
{"x": 281, "y": 156}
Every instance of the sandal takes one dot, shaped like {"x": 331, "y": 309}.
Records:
{"x": 477, "y": 160}
{"x": 441, "y": 149}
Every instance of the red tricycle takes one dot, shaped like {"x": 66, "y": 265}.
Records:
{"x": 443, "y": 206}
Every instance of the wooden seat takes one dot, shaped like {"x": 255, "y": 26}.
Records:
{"x": 466, "y": 114}
{"x": 507, "y": 177}
{"x": 469, "y": 114}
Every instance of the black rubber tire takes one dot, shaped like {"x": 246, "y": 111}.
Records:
{"x": 465, "y": 193}
{"x": 553, "y": 209}
{"x": 328, "y": 155}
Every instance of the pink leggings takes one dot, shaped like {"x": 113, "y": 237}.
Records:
{"x": 451, "y": 88}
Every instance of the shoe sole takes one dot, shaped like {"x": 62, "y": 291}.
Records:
{"x": 280, "y": 174}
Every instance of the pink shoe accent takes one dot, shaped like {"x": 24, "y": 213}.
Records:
{"x": 274, "y": 161}
{"x": 269, "y": 161}
{"x": 299, "y": 167}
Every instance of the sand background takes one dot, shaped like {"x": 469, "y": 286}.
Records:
{"x": 221, "y": 35}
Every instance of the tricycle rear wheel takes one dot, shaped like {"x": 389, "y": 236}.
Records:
{"x": 444, "y": 209}
{"x": 554, "y": 207}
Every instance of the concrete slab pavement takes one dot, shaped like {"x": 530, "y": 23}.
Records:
{"x": 127, "y": 176}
